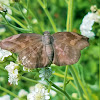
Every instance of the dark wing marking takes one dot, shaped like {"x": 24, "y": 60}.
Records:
{"x": 67, "y": 46}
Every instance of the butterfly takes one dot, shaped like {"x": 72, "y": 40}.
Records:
{"x": 37, "y": 51}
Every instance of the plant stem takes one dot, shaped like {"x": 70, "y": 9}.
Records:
{"x": 45, "y": 3}
{"x": 12, "y": 8}
{"x": 48, "y": 14}
{"x": 60, "y": 90}
{"x": 71, "y": 15}
{"x": 65, "y": 93}
{"x": 71, "y": 83}
{"x": 27, "y": 21}
{"x": 19, "y": 23}
{"x": 34, "y": 81}
{"x": 68, "y": 20}
{"x": 9, "y": 92}
{"x": 7, "y": 23}
{"x": 27, "y": 79}
{"x": 60, "y": 75}
{"x": 81, "y": 84}
{"x": 17, "y": 28}
{"x": 76, "y": 81}
{"x": 13, "y": 30}
{"x": 28, "y": 2}
{"x": 34, "y": 16}
{"x": 49, "y": 87}
{"x": 65, "y": 78}
{"x": 99, "y": 63}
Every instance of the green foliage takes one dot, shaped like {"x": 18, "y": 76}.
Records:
{"x": 52, "y": 16}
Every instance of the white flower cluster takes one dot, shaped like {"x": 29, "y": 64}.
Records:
{"x": 4, "y": 8}
{"x": 45, "y": 73}
{"x": 87, "y": 23}
{"x": 12, "y": 69}
{"x": 39, "y": 92}
{"x": 4, "y": 53}
{"x": 94, "y": 8}
{"x": 5, "y": 97}
{"x": 21, "y": 93}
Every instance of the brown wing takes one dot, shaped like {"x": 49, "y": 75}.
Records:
{"x": 67, "y": 46}
{"x": 29, "y": 47}
{"x": 34, "y": 56}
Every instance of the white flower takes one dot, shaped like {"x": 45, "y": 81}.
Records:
{"x": 1, "y": 79}
{"x": 35, "y": 21}
{"x": 2, "y": 29}
{"x": 2, "y": 9}
{"x": 31, "y": 88}
{"x": 93, "y": 8}
{"x": 26, "y": 69}
{"x": 39, "y": 93}
{"x": 3, "y": 4}
{"x": 87, "y": 23}
{"x": 45, "y": 73}
{"x": 5, "y": 97}
{"x": 53, "y": 93}
{"x": 13, "y": 77}
{"x": 88, "y": 34}
{"x": 22, "y": 93}
{"x": 24, "y": 10}
{"x": 15, "y": 99}
{"x": 13, "y": 73}
{"x": 96, "y": 17}
{"x": 75, "y": 95}
{"x": 4, "y": 53}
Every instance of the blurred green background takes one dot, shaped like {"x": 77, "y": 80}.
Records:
{"x": 88, "y": 65}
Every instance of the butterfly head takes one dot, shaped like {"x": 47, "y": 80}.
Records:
{"x": 46, "y": 33}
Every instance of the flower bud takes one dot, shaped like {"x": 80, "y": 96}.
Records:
{"x": 98, "y": 12}
{"x": 2, "y": 9}
{"x": 93, "y": 8}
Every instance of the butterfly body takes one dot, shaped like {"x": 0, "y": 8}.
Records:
{"x": 47, "y": 40}
{"x": 34, "y": 50}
